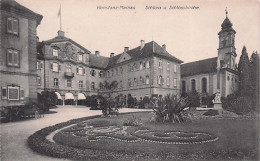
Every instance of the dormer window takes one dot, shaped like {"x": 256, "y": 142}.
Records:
{"x": 55, "y": 52}
{"x": 80, "y": 58}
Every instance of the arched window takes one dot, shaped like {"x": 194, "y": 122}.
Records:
{"x": 193, "y": 85}
{"x": 135, "y": 81}
{"x": 141, "y": 65}
{"x": 129, "y": 68}
{"x": 141, "y": 80}
{"x": 160, "y": 80}
{"x": 204, "y": 85}
{"x": 183, "y": 85}
{"x": 147, "y": 80}
{"x": 134, "y": 67}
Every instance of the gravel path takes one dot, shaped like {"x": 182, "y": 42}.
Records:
{"x": 14, "y": 135}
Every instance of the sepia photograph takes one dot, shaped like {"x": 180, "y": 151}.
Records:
{"x": 129, "y": 80}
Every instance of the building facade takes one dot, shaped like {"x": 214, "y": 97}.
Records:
{"x": 203, "y": 76}
{"x": 147, "y": 70}
{"x": 18, "y": 54}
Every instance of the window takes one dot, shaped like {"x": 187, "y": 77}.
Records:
{"x": 204, "y": 85}
{"x": 174, "y": 68}
{"x": 148, "y": 64}
{"x": 174, "y": 82}
{"x": 92, "y": 85}
{"x": 12, "y": 25}
{"x": 55, "y": 67}
{"x": 13, "y": 93}
{"x": 183, "y": 84}
{"x": 112, "y": 72}
{"x": 13, "y": 57}
{"x": 168, "y": 81}
{"x": 38, "y": 80}
{"x": 4, "y": 93}
{"x": 80, "y": 58}
{"x": 160, "y": 80}
{"x": 141, "y": 66}
{"x": 93, "y": 73}
{"x": 121, "y": 70}
{"x": 21, "y": 94}
{"x": 81, "y": 84}
{"x": 56, "y": 82}
{"x": 55, "y": 52}
{"x": 80, "y": 70}
{"x": 68, "y": 68}
{"x": 69, "y": 83}
{"x": 193, "y": 85}
{"x": 168, "y": 66}
{"x": 228, "y": 78}
{"x": 129, "y": 68}
{"x": 135, "y": 81}
{"x": 160, "y": 63}
{"x": 108, "y": 74}
{"x": 134, "y": 67}
{"x": 39, "y": 65}
{"x": 147, "y": 80}
{"x": 101, "y": 74}
{"x": 121, "y": 84}
{"x": 141, "y": 80}
{"x": 144, "y": 66}
{"x": 129, "y": 83}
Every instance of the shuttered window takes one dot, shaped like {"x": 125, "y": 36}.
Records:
{"x": 4, "y": 93}
{"x": 12, "y": 25}
{"x": 13, "y": 57}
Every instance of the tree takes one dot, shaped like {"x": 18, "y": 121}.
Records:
{"x": 109, "y": 104}
{"x": 47, "y": 99}
{"x": 254, "y": 69}
{"x": 244, "y": 73}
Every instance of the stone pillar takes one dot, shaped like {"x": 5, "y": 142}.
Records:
{"x": 63, "y": 101}
{"x": 217, "y": 99}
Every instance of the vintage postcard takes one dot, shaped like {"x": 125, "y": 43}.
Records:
{"x": 129, "y": 80}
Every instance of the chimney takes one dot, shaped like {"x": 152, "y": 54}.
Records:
{"x": 126, "y": 49}
{"x": 164, "y": 47}
{"x": 97, "y": 53}
{"x": 112, "y": 54}
{"x": 61, "y": 33}
{"x": 142, "y": 44}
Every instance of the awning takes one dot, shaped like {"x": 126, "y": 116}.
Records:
{"x": 58, "y": 95}
{"x": 69, "y": 96}
{"x": 81, "y": 96}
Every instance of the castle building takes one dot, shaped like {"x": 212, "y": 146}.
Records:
{"x": 18, "y": 54}
{"x": 202, "y": 75}
{"x": 74, "y": 73}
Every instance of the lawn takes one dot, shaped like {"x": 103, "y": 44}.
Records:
{"x": 105, "y": 138}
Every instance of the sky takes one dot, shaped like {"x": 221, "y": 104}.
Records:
{"x": 189, "y": 34}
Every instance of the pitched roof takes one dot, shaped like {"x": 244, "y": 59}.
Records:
{"x": 98, "y": 61}
{"x": 9, "y": 5}
{"x": 62, "y": 39}
{"x": 198, "y": 67}
{"x": 149, "y": 49}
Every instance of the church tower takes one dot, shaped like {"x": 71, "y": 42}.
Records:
{"x": 227, "y": 50}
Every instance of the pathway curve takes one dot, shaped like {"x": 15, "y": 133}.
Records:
{"x": 14, "y": 135}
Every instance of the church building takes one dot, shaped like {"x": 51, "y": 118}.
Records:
{"x": 202, "y": 75}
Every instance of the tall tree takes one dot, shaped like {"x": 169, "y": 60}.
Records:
{"x": 244, "y": 73}
{"x": 254, "y": 68}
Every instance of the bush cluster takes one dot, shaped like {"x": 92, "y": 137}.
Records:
{"x": 237, "y": 103}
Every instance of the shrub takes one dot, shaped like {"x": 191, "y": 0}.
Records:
{"x": 131, "y": 121}
{"x": 238, "y": 104}
{"x": 130, "y": 101}
{"x": 211, "y": 113}
{"x": 93, "y": 102}
{"x": 170, "y": 109}
{"x": 209, "y": 101}
{"x": 47, "y": 99}
{"x": 193, "y": 97}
